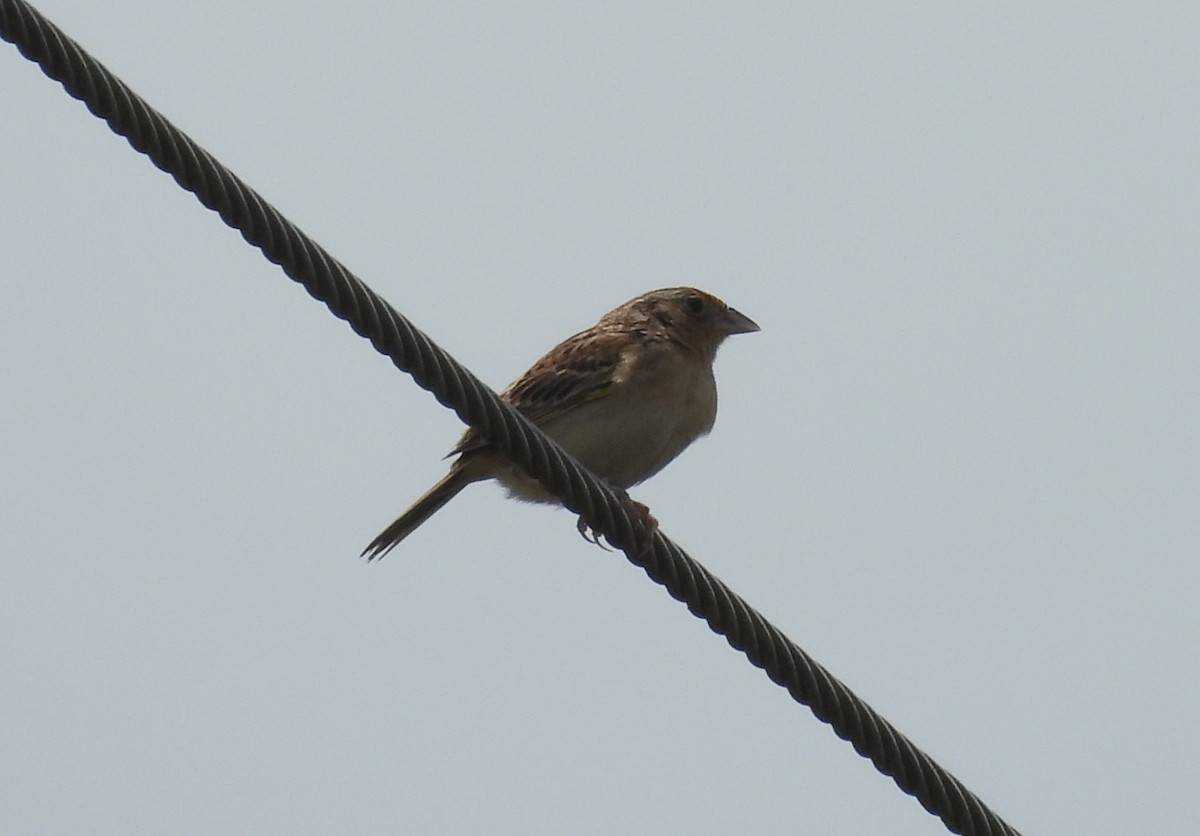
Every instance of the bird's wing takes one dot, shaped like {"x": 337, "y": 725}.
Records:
{"x": 582, "y": 368}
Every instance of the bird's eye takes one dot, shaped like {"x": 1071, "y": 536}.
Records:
{"x": 694, "y": 305}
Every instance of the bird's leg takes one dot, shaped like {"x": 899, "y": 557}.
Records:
{"x": 636, "y": 509}
{"x": 646, "y": 540}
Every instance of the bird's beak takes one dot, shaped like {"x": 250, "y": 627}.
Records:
{"x": 736, "y": 322}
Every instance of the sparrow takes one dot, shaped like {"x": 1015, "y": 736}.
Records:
{"x": 624, "y": 398}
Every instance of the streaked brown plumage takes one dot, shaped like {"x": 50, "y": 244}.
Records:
{"x": 624, "y": 397}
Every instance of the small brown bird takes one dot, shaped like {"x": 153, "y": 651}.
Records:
{"x": 624, "y": 397}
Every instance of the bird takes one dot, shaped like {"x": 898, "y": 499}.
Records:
{"x": 624, "y": 398}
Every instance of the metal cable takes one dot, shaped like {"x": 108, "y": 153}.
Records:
{"x": 433, "y": 369}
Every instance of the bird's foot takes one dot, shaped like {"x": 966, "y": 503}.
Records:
{"x": 590, "y": 534}
{"x": 637, "y": 510}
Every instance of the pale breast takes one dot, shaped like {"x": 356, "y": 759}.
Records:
{"x": 661, "y": 401}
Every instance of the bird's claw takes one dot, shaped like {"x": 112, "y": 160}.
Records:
{"x": 636, "y": 509}
{"x": 590, "y": 534}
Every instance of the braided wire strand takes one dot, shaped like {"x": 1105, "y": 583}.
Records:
{"x": 348, "y": 298}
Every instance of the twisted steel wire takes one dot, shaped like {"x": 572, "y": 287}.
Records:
{"x": 348, "y": 298}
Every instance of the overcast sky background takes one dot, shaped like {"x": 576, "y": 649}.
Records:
{"x": 960, "y": 465}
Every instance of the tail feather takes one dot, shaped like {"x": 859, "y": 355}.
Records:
{"x": 421, "y": 510}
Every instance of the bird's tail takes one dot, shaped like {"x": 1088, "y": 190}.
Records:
{"x": 421, "y": 510}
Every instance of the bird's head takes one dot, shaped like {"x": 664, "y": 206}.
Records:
{"x": 693, "y": 317}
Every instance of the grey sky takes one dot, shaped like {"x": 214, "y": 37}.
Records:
{"x": 959, "y": 464}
